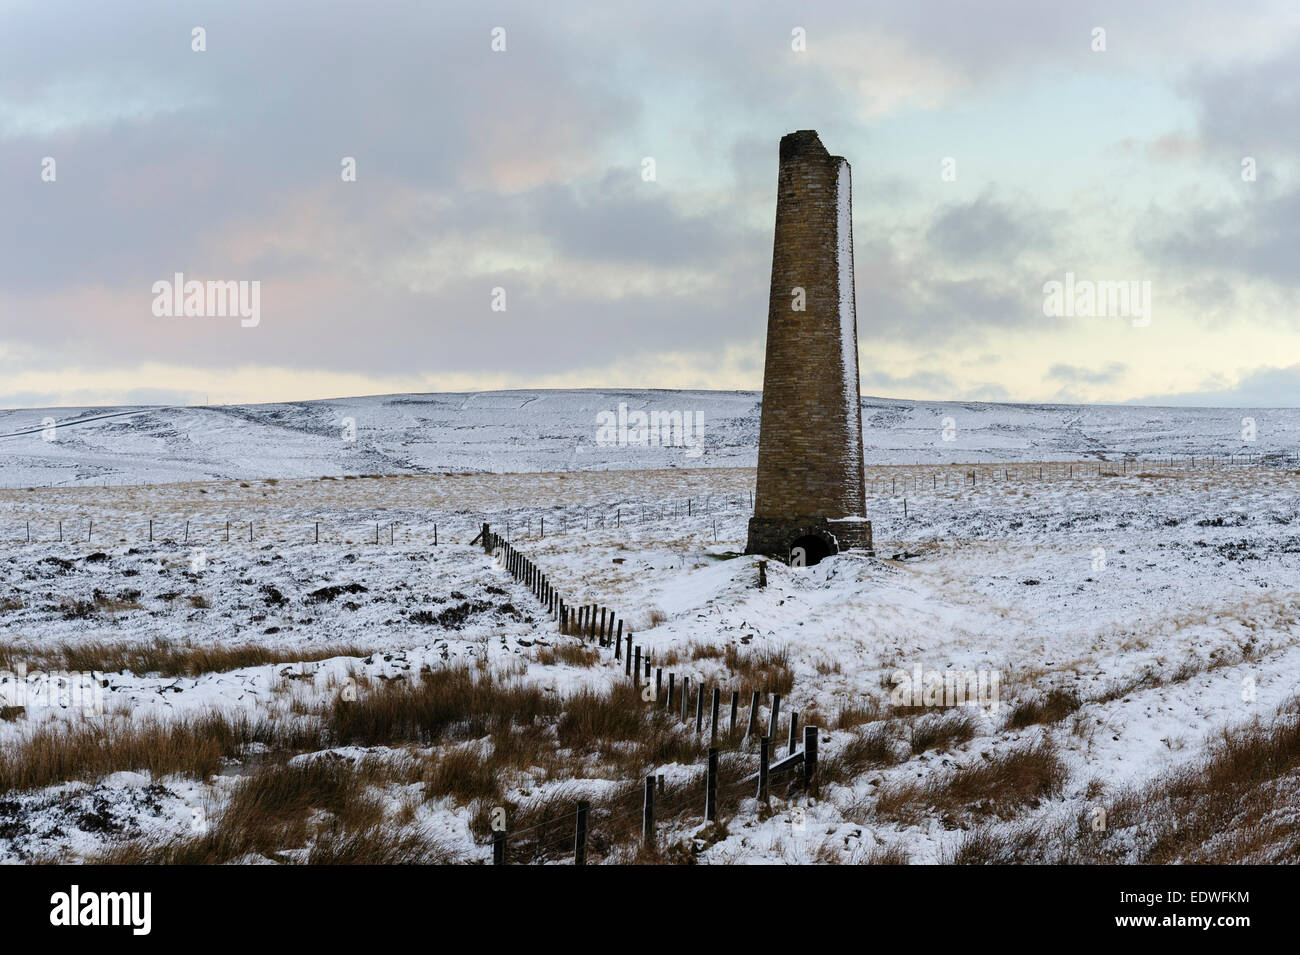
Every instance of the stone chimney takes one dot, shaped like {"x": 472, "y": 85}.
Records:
{"x": 811, "y": 495}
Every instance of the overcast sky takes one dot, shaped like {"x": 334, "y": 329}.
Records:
{"x": 522, "y": 169}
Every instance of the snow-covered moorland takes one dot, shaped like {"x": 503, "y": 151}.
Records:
{"x": 520, "y": 431}
{"x": 329, "y": 685}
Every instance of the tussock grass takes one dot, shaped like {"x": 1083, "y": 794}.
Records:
{"x": 164, "y": 658}
{"x": 767, "y": 670}
{"x": 998, "y": 786}
{"x": 463, "y": 774}
{"x": 1238, "y": 805}
{"x": 321, "y": 805}
{"x": 572, "y": 654}
{"x": 379, "y": 845}
{"x": 453, "y": 703}
{"x": 194, "y": 746}
{"x": 942, "y": 730}
{"x": 855, "y": 714}
{"x": 1053, "y": 706}
{"x": 886, "y": 855}
{"x": 876, "y": 745}
{"x": 616, "y": 715}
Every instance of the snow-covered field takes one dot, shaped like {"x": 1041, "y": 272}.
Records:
{"x": 1162, "y": 601}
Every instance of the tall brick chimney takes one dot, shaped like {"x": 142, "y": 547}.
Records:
{"x": 811, "y": 496}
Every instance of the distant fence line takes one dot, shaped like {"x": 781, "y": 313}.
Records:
{"x": 536, "y": 522}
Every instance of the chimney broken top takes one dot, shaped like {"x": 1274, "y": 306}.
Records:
{"x": 804, "y": 142}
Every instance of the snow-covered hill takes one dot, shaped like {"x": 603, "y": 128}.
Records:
{"x": 560, "y": 430}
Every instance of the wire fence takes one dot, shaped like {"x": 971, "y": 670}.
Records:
{"x": 618, "y": 817}
{"x": 888, "y": 489}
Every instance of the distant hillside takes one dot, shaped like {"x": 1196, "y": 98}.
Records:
{"x": 558, "y": 430}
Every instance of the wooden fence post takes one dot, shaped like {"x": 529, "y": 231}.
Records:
{"x": 648, "y": 811}
{"x": 794, "y": 731}
{"x": 775, "y": 715}
{"x": 810, "y": 758}
{"x": 629, "y": 644}
{"x": 713, "y": 717}
{"x": 753, "y": 717}
{"x": 499, "y": 847}
{"x": 580, "y": 834}
{"x": 668, "y": 702}
{"x": 699, "y": 708}
{"x": 735, "y": 710}
{"x": 636, "y": 667}
{"x": 711, "y": 787}
{"x": 659, "y": 682}
{"x": 764, "y": 756}
{"x": 619, "y": 639}
{"x": 686, "y": 693}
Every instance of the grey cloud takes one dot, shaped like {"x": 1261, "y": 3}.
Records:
{"x": 1256, "y": 236}
{"x": 987, "y": 229}
{"x": 1075, "y": 374}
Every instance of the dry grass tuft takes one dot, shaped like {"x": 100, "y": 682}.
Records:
{"x": 164, "y": 658}
{"x": 997, "y": 786}
{"x": 877, "y": 745}
{"x": 194, "y": 746}
{"x": 767, "y": 670}
{"x": 572, "y": 654}
{"x": 1055, "y": 705}
{"x": 942, "y": 730}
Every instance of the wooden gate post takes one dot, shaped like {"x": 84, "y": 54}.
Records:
{"x": 810, "y": 758}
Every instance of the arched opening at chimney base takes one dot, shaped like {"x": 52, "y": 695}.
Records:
{"x": 809, "y": 550}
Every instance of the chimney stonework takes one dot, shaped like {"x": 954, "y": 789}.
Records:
{"x": 811, "y": 489}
